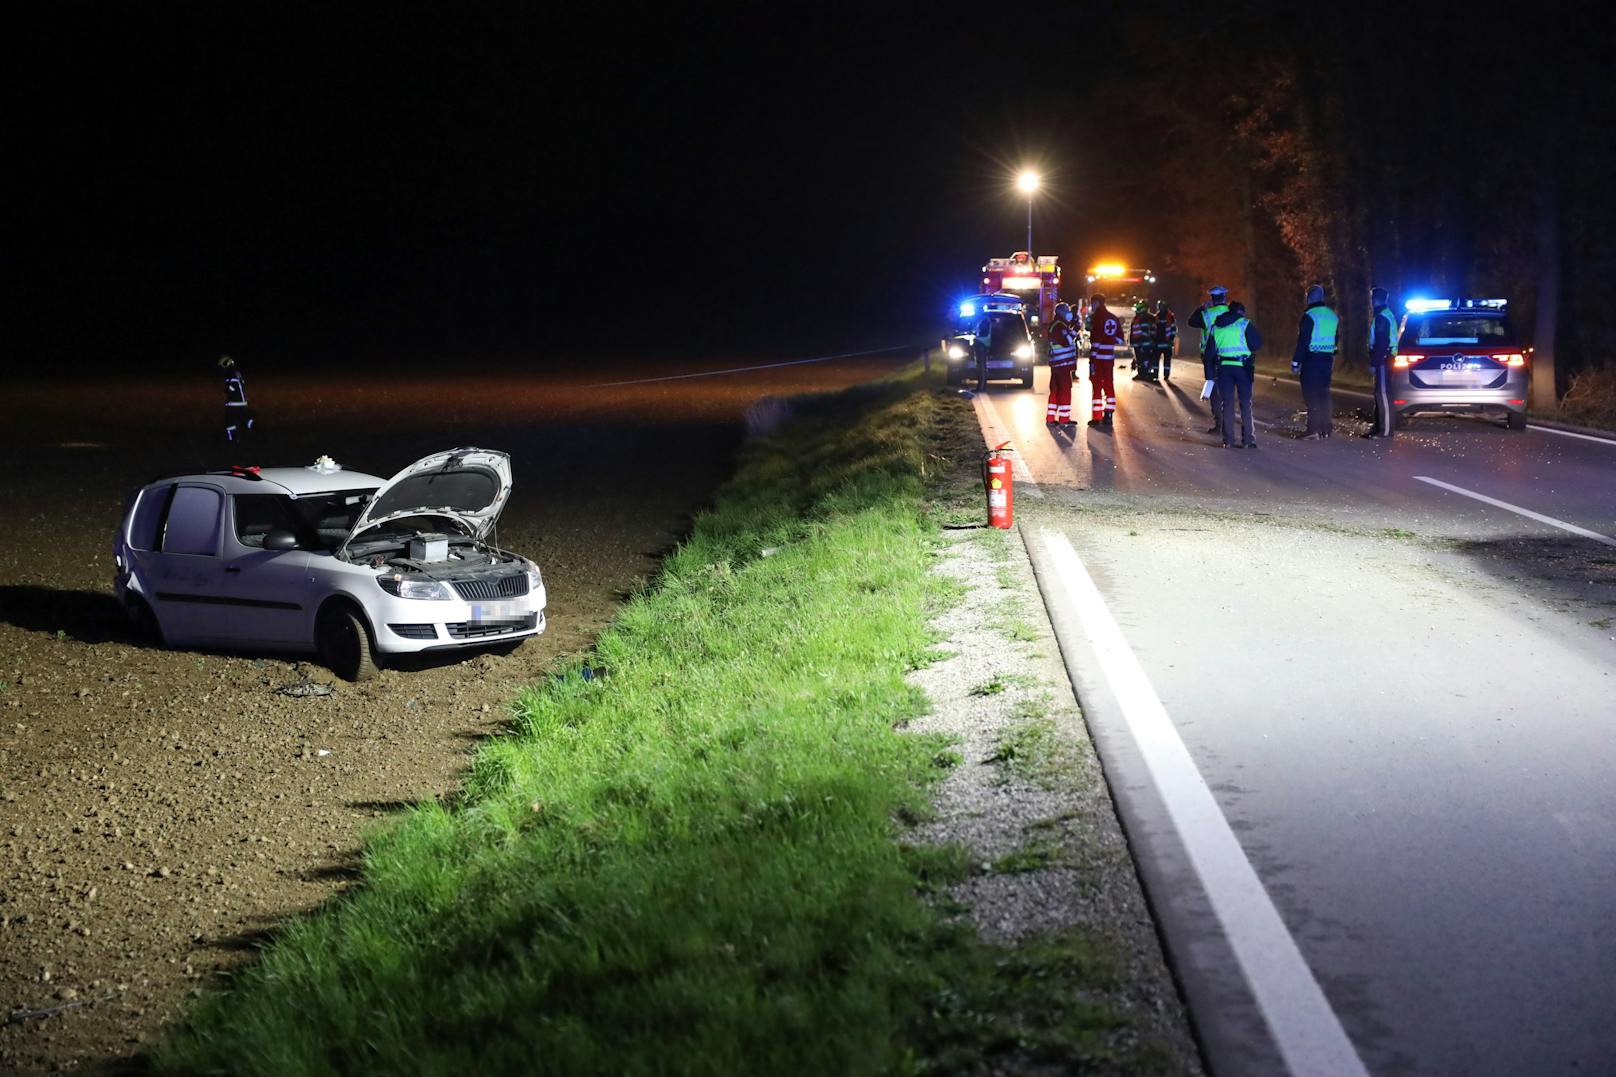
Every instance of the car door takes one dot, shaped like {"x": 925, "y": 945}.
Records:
{"x": 187, "y": 575}
{"x": 267, "y": 590}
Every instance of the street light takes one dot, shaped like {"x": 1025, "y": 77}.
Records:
{"x": 1028, "y": 182}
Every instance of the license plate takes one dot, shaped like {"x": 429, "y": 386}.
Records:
{"x": 1000, "y": 364}
{"x": 492, "y": 611}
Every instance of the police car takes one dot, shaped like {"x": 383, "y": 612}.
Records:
{"x": 991, "y": 329}
{"x": 347, "y": 565}
{"x": 1460, "y": 356}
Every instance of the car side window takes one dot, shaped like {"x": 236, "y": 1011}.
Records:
{"x": 259, "y": 514}
{"x": 193, "y": 521}
{"x": 145, "y": 528}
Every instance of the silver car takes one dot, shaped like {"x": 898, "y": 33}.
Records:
{"x": 348, "y": 565}
{"x": 1460, "y": 356}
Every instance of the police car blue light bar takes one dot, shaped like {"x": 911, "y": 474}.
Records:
{"x": 1420, "y": 306}
{"x": 967, "y": 310}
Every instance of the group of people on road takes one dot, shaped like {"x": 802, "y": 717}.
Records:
{"x": 1152, "y": 334}
{"x": 1105, "y": 336}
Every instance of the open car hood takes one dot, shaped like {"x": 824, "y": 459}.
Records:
{"x": 467, "y": 486}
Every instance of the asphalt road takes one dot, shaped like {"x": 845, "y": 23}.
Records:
{"x": 1402, "y": 697}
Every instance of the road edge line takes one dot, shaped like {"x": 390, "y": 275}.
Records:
{"x": 1518, "y": 510}
{"x": 1294, "y": 1010}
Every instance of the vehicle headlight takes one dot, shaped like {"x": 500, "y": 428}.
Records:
{"x": 1024, "y": 352}
{"x": 535, "y": 582}
{"x": 956, "y": 352}
{"x": 408, "y": 587}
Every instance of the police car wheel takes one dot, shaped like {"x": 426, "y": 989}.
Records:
{"x": 1026, "y": 380}
{"x": 343, "y": 641}
{"x": 1517, "y": 420}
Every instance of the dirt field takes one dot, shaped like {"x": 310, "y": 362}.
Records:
{"x": 160, "y": 811}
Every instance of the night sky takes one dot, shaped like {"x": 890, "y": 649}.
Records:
{"x": 427, "y": 183}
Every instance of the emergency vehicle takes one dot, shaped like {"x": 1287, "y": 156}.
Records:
{"x": 1460, "y": 356}
{"x": 1122, "y": 287}
{"x": 991, "y": 329}
{"x": 1036, "y": 281}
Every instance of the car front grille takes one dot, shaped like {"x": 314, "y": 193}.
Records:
{"x": 503, "y": 587}
{"x": 415, "y": 631}
{"x": 481, "y": 629}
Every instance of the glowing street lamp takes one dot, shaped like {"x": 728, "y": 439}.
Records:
{"x": 1028, "y": 182}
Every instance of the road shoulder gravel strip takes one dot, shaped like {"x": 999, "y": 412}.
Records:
{"x": 1028, "y": 799}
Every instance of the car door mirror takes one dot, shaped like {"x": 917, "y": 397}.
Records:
{"x": 280, "y": 540}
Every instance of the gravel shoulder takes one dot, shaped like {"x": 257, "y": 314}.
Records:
{"x": 1028, "y": 798}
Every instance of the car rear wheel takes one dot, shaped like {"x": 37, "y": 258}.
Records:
{"x": 1517, "y": 420}
{"x": 343, "y": 641}
{"x": 146, "y": 627}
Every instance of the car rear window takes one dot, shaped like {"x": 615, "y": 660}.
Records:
{"x": 143, "y": 529}
{"x": 193, "y": 521}
{"x": 1427, "y": 329}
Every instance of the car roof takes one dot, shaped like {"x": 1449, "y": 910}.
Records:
{"x": 292, "y": 481}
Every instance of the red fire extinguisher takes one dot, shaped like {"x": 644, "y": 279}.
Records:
{"x": 1000, "y": 483}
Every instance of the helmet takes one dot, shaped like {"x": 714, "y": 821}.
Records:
{"x": 1161, "y": 305}
{"x": 226, "y": 361}
{"x": 1315, "y": 294}
{"x": 1218, "y": 291}
{"x": 1377, "y": 295}
{"x": 1139, "y": 306}
{"x": 1063, "y": 312}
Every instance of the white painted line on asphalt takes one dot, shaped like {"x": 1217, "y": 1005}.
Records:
{"x": 1308, "y": 1033}
{"x": 1528, "y": 513}
{"x": 995, "y": 433}
{"x": 743, "y": 369}
{"x": 1536, "y": 429}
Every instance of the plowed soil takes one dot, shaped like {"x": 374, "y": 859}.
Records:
{"x": 162, "y": 811}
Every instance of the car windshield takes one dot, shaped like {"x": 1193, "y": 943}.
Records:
{"x": 1458, "y": 328}
{"x": 320, "y": 521}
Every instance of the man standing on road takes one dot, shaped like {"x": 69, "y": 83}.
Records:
{"x": 1166, "y": 337}
{"x": 1382, "y": 348}
{"x": 1062, "y": 365}
{"x": 1234, "y": 348}
{"x": 238, "y": 417}
{"x": 1203, "y": 318}
{"x": 1105, "y": 334}
{"x": 1142, "y": 337}
{"x": 1313, "y": 360}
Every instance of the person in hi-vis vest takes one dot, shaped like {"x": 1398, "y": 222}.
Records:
{"x": 1382, "y": 349}
{"x": 1314, "y": 360}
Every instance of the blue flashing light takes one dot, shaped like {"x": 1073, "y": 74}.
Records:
{"x": 967, "y": 310}
{"x": 1420, "y": 306}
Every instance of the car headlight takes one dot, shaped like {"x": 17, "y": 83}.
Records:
{"x": 956, "y": 352}
{"x": 535, "y": 582}
{"x": 407, "y": 587}
{"x": 1024, "y": 352}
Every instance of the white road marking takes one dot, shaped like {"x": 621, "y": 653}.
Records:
{"x": 1306, "y": 1030}
{"x": 744, "y": 369}
{"x": 1536, "y": 429}
{"x": 994, "y": 433}
{"x": 1528, "y": 513}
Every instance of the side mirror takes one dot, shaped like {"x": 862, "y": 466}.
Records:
{"x": 280, "y": 540}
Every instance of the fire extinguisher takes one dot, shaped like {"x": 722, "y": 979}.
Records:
{"x": 1000, "y": 485}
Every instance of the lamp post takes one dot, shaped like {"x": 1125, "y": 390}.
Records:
{"x": 1028, "y": 182}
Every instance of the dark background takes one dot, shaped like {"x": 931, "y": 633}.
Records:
{"x": 462, "y": 182}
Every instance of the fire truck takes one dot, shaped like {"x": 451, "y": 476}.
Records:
{"x": 1035, "y": 280}
{"x": 1122, "y": 286}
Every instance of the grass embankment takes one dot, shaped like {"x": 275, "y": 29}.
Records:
{"x": 691, "y": 864}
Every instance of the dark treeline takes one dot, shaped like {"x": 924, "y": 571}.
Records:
{"x": 1431, "y": 152}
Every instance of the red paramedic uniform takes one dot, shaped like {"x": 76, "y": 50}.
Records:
{"x": 1105, "y": 334}
{"x": 1062, "y": 368}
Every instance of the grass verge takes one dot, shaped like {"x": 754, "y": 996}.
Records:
{"x": 688, "y": 865}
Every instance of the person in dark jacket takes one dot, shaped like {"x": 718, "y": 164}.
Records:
{"x": 1314, "y": 360}
{"x": 1232, "y": 347}
{"x": 1382, "y": 349}
{"x": 238, "y": 417}
{"x": 1166, "y": 337}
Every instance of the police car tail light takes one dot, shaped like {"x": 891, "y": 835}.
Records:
{"x": 1406, "y": 360}
{"x": 1512, "y": 359}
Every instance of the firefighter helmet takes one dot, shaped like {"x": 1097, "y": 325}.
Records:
{"x": 226, "y": 362}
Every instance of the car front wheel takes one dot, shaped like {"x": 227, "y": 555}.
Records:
{"x": 343, "y": 641}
